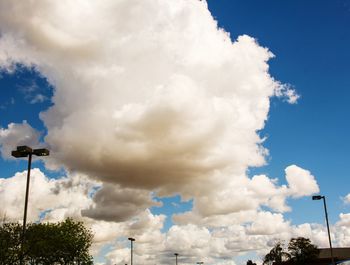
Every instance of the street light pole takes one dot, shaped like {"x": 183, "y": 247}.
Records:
{"x": 131, "y": 249}
{"x": 27, "y": 195}
{"x": 319, "y": 197}
{"x": 176, "y": 254}
{"x": 25, "y": 151}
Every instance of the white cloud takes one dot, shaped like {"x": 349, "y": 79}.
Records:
{"x": 347, "y": 199}
{"x": 300, "y": 181}
{"x": 62, "y": 198}
{"x": 268, "y": 224}
{"x": 286, "y": 92}
{"x": 38, "y": 98}
{"x": 150, "y": 99}
{"x": 341, "y": 231}
{"x": 119, "y": 256}
{"x": 344, "y": 219}
{"x": 228, "y": 235}
{"x": 169, "y": 105}
{"x": 241, "y": 194}
{"x": 17, "y": 134}
{"x": 187, "y": 238}
{"x": 162, "y": 107}
{"x": 269, "y": 193}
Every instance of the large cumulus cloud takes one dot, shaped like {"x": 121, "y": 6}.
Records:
{"x": 148, "y": 94}
{"x": 150, "y": 99}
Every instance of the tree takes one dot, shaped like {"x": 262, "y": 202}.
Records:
{"x": 66, "y": 242}
{"x": 276, "y": 255}
{"x": 302, "y": 251}
{"x": 249, "y": 262}
{"x": 10, "y": 240}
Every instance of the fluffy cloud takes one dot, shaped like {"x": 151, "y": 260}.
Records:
{"x": 166, "y": 102}
{"x": 215, "y": 237}
{"x": 341, "y": 232}
{"x": 344, "y": 220}
{"x": 186, "y": 238}
{"x": 112, "y": 203}
{"x": 58, "y": 198}
{"x": 150, "y": 99}
{"x": 300, "y": 181}
{"x": 245, "y": 195}
{"x": 17, "y": 134}
{"x": 267, "y": 224}
{"x": 169, "y": 105}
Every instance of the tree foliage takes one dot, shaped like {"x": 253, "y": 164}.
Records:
{"x": 300, "y": 251}
{"x": 10, "y": 241}
{"x": 66, "y": 242}
{"x": 276, "y": 255}
{"x": 249, "y": 262}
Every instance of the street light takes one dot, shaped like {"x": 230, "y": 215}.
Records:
{"x": 317, "y": 198}
{"x": 176, "y": 254}
{"x": 131, "y": 248}
{"x": 25, "y": 151}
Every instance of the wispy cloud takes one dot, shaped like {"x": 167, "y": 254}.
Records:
{"x": 346, "y": 199}
{"x": 287, "y": 93}
{"x": 38, "y": 98}
{"x": 31, "y": 91}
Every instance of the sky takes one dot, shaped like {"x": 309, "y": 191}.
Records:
{"x": 201, "y": 128}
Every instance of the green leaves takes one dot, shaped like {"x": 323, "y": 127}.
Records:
{"x": 300, "y": 251}
{"x": 65, "y": 242}
{"x": 276, "y": 255}
{"x": 10, "y": 242}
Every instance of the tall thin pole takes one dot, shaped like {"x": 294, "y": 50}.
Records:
{"x": 131, "y": 252}
{"x": 329, "y": 234}
{"x": 27, "y": 195}
{"x": 176, "y": 254}
{"x": 131, "y": 249}
{"x": 26, "y": 151}
{"x": 26, "y": 207}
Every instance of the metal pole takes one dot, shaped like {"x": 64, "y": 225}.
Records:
{"x": 26, "y": 207}
{"x": 27, "y": 195}
{"x": 329, "y": 234}
{"x": 26, "y": 151}
{"x": 131, "y": 249}
{"x": 131, "y": 252}
{"x": 176, "y": 254}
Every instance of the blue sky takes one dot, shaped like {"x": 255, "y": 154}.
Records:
{"x": 310, "y": 41}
